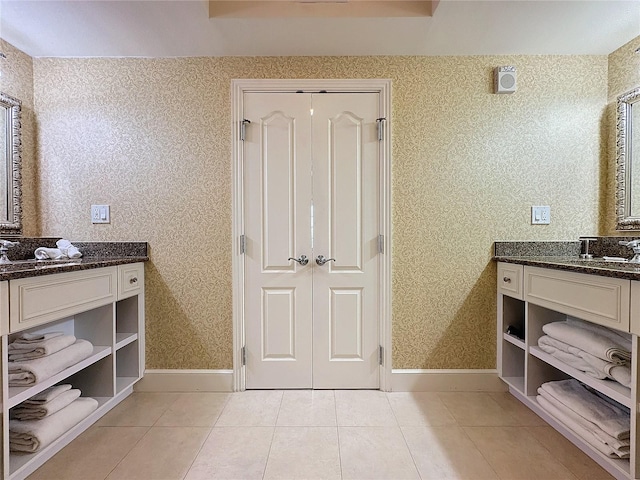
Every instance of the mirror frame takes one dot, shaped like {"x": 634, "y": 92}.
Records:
{"x": 624, "y": 157}
{"x": 13, "y": 225}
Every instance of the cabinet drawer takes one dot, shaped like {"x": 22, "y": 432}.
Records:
{"x": 510, "y": 279}
{"x": 38, "y": 300}
{"x": 130, "y": 280}
{"x": 601, "y": 300}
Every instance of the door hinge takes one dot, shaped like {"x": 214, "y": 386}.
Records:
{"x": 243, "y": 356}
{"x": 380, "y": 124}
{"x": 380, "y": 243}
{"x": 243, "y": 244}
{"x": 243, "y": 128}
{"x": 380, "y": 355}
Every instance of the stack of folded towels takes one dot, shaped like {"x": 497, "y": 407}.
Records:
{"x": 600, "y": 421}
{"x": 593, "y": 349}
{"x": 41, "y": 419}
{"x": 34, "y": 357}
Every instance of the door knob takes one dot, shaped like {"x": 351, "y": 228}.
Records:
{"x": 303, "y": 260}
{"x": 321, "y": 260}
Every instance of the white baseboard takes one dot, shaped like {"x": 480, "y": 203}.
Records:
{"x": 414, "y": 380}
{"x": 186, "y": 381}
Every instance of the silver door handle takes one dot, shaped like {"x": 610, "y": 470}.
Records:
{"x": 303, "y": 260}
{"x": 321, "y": 260}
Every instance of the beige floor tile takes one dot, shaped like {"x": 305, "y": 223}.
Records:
{"x": 139, "y": 410}
{"x": 471, "y": 409}
{"x": 304, "y": 453}
{"x": 373, "y": 453}
{"x": 311, "y": 408}
{"x": 569, "y": 455}
{"x": 233, "y": 453}
{"x": 420, "y": 408}
{"x": 92, "y": 455}
{"x": 252, "y": 408}
{"x": 364, "y": 408}
{"x": 515, "y": 454}
{"x": 193, "y": 410}
{"x": 164, "y": 453}
{"x": 446, "y": 453}
{"x": 518, "y": 411}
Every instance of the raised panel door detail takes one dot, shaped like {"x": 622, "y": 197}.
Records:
{"x": 278, "y": 324}
{"x": 345, "y": 152}
{"x": 277, "y": 151}
{"x": 346, "y": 324}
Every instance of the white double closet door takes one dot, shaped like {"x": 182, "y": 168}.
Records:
{"x": 311, "y": 173}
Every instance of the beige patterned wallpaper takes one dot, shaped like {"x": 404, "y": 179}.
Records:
{"x": 151, "y": 137}
{"x": 17, "y": 80}
{"x": 624, "y": 75}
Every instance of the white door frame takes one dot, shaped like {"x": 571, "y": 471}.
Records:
{"x": 238, "y": 88}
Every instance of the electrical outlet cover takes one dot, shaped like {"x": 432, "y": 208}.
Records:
{"x": 100, "y": 214}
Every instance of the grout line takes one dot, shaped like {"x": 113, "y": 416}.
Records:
{"x": 335, "y": 410}
{"x": 264, "y": 472}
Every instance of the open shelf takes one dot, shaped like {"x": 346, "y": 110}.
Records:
{"x": 611, "y": 389}
{"x": 20, "y": 394}
{"x": 124, "y": 339}
{"x": 513, "y": 340}
{"x": 515, "y": 382}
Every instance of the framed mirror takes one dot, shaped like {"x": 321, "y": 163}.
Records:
{"x": 10, "y": 165}
{"x": 628, "y": 161}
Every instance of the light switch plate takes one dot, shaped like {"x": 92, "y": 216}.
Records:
{"x": 100, "y": 214}
{"x": 540, "y": 215}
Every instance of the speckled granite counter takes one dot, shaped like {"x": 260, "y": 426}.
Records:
{"x": 565, "y": 256}
{"x": 94, "y": 255}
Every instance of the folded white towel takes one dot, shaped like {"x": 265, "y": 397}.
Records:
{"x": 68, "y": 248}
{"x": 44, "y": 253}
{"x": 27, "y": 351}
{"x": 33, "y": 435}
{"x": 47, "y": 394}
{"x": 582, "y": 432}
{"x": 35, "y": 337}
{"x": 588, "y": 341}
{"x": 25, "y": 411}
{"x": 30, "y": 372}
{"x": 578, "y": 398}
{"x": 623, "y": 338}
{"x": 585, "y": 362}
{"x": 598, "y": 433}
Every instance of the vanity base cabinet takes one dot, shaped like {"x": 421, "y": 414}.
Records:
{"x": 549, "y": 296}
{"x": 99, "y": 310}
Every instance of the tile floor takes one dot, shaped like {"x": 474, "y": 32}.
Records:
{"x": 302, "y": 434}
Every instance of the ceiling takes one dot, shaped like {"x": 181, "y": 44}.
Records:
{"x": 179, "y": 28}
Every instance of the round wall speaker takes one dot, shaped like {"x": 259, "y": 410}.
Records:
{"x": 505, "y": 79}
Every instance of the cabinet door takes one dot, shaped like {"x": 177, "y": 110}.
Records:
{"x": 597, "y": 299}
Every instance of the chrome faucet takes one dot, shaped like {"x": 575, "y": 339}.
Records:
{"x": 4, "y": 248}
{"x": 635, "y": 246}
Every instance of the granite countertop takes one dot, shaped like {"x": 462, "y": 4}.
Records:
{"x": 597, "y": 266}
{"x": 94, "y": 255}
{"x": 34, "y": 268}
{"x": 566, "y": 256}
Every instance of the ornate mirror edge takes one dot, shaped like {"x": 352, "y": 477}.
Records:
{"x": 624, "y": 221}
{"x": 13, "y": 226}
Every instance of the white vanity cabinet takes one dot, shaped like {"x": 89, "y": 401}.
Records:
{"x": 549, "y": 295}
{"x": 104, "y": 306}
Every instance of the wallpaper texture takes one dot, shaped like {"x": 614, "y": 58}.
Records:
{"x": 152, "y": 138}
{"x": 624, "y": 75}
{"x": 17, "y": 80}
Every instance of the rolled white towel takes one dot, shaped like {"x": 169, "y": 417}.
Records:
{"x": 68, "y": 248}
{"x": 44, "y": 253}
{"x": 33, "y": 435}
